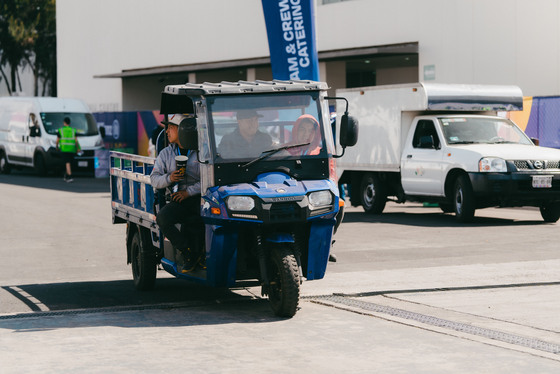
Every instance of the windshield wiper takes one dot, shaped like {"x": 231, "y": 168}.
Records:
{"x": 463, "y": 142}
{"x": 271, "y": 152}
{"x": 502, "y": 142}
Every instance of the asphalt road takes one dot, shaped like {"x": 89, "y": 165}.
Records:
{"x": 412, "y": 291}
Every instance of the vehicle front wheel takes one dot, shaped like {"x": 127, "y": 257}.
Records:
{"x": 144, "y": 265}
{"x": 550, "y": 212}
{"x": 283, "y": 272}
{"x": 463, "y": 199}
{"x": 446, "y": 207}
{"x": 40, "y": 165}
{"x": 4, "y": 165}
{"x": 373, "y": 194}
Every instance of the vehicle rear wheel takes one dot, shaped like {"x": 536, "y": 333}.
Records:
{"x": 374, "y": 196}
{"x": 5, "y": 167}
{"x": 144, "y": 265}
{"x": 550, "y": 212}
{"x": 463, "y": 199}
{"x": 284, "y": 282}
{"x": 40, "y": 165}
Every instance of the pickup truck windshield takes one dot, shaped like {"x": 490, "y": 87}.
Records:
{"x": 243, "y": 129}
{"x": 480, "y": 130}
{"x": 84, "y": 123}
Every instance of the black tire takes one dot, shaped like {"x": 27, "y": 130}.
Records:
{"x": 463, "y": 199}
{"x": 283, "y": 273}
{"x": 143, "y": 261}
{"x": 373, "y": 194}
{"x": 550, "y": 212}
{"x": 5, "y": 167}
{"x": 40, "y": 165}
{"x": 339, "y": 218}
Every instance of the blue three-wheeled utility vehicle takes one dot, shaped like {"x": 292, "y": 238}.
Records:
{"x": 268, "y": 205}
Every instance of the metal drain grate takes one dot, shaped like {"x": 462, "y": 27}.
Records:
{"x": 439, "y": 322}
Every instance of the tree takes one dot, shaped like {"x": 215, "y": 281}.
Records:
{"x": 28, "y": 40}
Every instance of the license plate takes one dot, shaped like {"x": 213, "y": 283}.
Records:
{"x": 542, "y": 181}
{"x": 83, "y": 164}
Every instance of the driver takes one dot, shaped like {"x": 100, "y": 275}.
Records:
{"x": 247, "y": 140}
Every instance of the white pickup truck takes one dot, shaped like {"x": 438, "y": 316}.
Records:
{"x": 446, "y": 144}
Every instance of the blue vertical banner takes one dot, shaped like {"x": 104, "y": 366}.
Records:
{"x": 290, "y": 26}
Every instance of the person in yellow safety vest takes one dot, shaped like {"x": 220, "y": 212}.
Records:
{"x": 67, "y": 141}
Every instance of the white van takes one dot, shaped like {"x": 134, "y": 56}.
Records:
{"x": 28, "y": 133}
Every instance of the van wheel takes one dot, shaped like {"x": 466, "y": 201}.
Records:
{"x": 550, "y": 212}
{"x": 40, "y": 165}
{"x": 463, "y": 199}
{"x": 5, "y": 167}
{"x": 373, "y": 194}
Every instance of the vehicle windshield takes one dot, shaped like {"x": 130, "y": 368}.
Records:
{"x": 84, "y": 123}
{"x": 471, "y": 130}
{"x": 275, "y": 126}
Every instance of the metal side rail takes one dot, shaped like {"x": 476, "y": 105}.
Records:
{"x": 132, "y": 196}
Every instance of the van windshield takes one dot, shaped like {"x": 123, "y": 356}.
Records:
{"x": 84, "y": 123}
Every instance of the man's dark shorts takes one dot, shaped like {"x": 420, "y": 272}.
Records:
{"x": 68, "y": 156}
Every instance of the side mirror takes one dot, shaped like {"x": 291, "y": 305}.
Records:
{"x": 535, "y": 141}
{"x": 102, "y": 131}
{"x": 348, "y": 131}
{"x": 34, "y": 131}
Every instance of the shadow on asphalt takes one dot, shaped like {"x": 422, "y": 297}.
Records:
{"x": 115, "y": 294}
{"x": 82, "y": 183}
{"x": 431, "y": 219}
{"x": 174, "y": 303}
{"x": 171, "y": 303}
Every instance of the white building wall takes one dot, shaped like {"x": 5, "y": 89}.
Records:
{"x": 26, "y": 79}
{"x": 466, "y": 41}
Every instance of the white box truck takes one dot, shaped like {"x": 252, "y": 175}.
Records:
{"x": 446, "y": 144}
{"x": 28, "y": 133}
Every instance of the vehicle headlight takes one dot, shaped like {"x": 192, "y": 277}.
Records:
{"x": 492, "y": 164}
{"x": 99, "y": 143}
{"x": 320, "y": 199}
{"x": 240, "y": 203}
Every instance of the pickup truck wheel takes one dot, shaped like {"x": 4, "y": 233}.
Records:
{"x": 446, "y": 207}
{"x": 373, "y": 194}
{"x": 463, "y": 199}
{"x": 144, "y": 264}
{"x": 284, "y": 278}
{"x": 550, "y": 212}
{"x": 4, "y": 165}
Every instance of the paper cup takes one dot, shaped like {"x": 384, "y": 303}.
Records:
{"x": 181, "y": 162}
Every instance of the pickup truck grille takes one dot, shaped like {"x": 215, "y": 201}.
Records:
{"x": 531, "y": 164}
